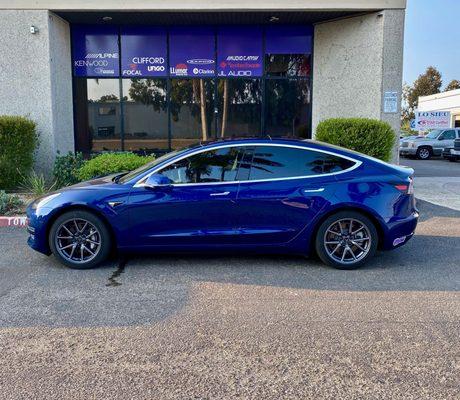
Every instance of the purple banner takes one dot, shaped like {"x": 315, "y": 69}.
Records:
{"x": 239, "y": 51}
{"x": 95, "y": 51}
{"x": 288, "y": 40}
{"x": 191, "y": 52}
{"x": 143, "y": 52}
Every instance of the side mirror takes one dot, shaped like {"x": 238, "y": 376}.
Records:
{"x": 156, "y": 181}
{"x": 441, "y": 138}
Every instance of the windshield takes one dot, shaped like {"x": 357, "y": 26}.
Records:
{"x": 433, "y": 134}
{"x": 157, "y": 161}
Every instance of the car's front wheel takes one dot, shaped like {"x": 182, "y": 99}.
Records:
{"x": 423, "y": 153}
{"x": 79, "y": 239}
{"x": 346, "y": 240}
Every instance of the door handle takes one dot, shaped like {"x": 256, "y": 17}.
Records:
{"x": 319, "y": 190}
{"x": 220, "y": 194}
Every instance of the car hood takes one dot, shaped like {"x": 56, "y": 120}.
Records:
{"x": 92, "y": 184}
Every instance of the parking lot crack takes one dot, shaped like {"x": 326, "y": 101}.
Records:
{"x": 120, "y": 269}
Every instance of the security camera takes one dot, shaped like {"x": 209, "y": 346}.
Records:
{"x": 33, "y": 29}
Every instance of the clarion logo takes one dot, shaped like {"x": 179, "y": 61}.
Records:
{"x": 102, "y": 55}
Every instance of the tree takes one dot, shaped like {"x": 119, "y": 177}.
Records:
{"x": 426, "y": 84}
{"x": 453, "y": 85}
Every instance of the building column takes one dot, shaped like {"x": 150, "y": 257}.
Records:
{"x": 36, "y": 78}
{"x": 356, "y": 61}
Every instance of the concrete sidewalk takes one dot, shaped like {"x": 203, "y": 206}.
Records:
{"x": 442, "y": 191}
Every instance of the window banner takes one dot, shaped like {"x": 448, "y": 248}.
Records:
{"x": 143, "y": 52}
{"x": 191, "y": 52}
{"x": 239, "y": 51}
{"x": 289, "y": 40}
{"x": 95, "y": 51}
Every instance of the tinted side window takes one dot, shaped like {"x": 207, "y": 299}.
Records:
{"x": 271, "y": 162}
{"x": 448, "y": 135}
{"x": 220, "y": 165}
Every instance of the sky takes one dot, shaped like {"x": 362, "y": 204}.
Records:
{"x": 432, "y": 37}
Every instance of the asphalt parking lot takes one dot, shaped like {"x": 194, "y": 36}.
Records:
{"x": 220, "y": 327}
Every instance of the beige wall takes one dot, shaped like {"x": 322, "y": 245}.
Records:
{"x": 35, "y": 78}
{"x": 356, "y": 60}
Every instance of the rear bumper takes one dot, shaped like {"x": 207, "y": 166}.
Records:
{"x": 400, "y": 232}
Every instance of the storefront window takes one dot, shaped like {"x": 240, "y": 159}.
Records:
{"x": 151, "y": 89}
{"x": 145, "y": 115}
{"x": 104, "y": 114}
{"x": 287, "y": 108}
{"x": 288, "y": 65}
{"x": 192, "y": 111}
{"x": 239, "y": 106}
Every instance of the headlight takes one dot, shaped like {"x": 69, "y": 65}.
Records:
{"x": 41, "y": 202}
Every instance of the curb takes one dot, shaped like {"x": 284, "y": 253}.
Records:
{"x": 17, "y": 221}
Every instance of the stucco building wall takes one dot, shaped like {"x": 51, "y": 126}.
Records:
{"x": 357, "y": 60}
{"x": 35, "y": 78}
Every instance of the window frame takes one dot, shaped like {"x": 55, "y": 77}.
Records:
{"x": 357, "y": 164}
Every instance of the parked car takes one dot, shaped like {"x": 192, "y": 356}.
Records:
{"x": 431, "y": 145}
{"x": 269, "y": 196}
{"x": 453, "y": 154}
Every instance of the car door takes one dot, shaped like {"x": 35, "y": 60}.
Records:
{"x": 285, "y": 187}
{"x": 198, "y": 208}
{"x": 445, "y": 140}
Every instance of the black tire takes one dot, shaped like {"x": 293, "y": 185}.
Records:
{"x": 370, "y": 247}
{"x": 424, "y": 153}
{"x": 101, "y": 234}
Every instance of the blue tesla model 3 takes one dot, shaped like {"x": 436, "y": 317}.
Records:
{"x": 268, "y": 196}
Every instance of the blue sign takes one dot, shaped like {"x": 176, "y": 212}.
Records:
{"x": 289, "y": 40}
{"x": 412, "y": 124}
{"x": 143, "y": 52}
{"x": 95, "y": 51}
{"x": 239, "y": 51}
{"x": 191, "y": 52}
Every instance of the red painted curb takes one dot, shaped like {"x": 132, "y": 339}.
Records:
{"x": 18, "y": 221}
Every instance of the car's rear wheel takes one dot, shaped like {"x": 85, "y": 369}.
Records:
{"x": 423, "y": 153}
{"x": 346, "y": 240}
{"x": 79, "y": 239}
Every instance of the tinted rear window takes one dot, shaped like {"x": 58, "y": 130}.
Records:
{"x": 271, "y": 162}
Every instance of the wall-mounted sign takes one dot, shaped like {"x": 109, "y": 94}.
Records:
{"x": 191, "y": 52}
{"x": 390, "y": 102}
{"x": 239, "y": 51}
{"x": 95, "y": 51}
{"x": 143, "y": 52}
{"x": 425, "y": 120}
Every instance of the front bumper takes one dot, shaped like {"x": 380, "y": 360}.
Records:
{"x": 407, "y": 151}
{"x": 37, "y": 229}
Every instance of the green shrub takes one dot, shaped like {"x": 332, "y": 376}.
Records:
{"x": 18, "y": 141}
{"x": 106, "y": 164}
{"x": 66, "y": 168}
{"x": 372, "y": 137}
{"x": 10, "y": 204}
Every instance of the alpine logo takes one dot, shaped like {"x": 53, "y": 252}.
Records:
{"x": 102, "y": 55}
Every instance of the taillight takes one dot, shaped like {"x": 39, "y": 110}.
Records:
{"x": 406, "y": 188}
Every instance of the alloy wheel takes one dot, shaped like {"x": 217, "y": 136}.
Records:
{"x": 424, "y": 153}
{"x": 78, "y": 240}
{"x": 347, "y": 241}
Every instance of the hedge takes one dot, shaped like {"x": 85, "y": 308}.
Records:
{"x": 110, "y": 163}
{"x": 372, "y": 137}
{"x": 66, "y": 168}
{"x": 18, "y": 140}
